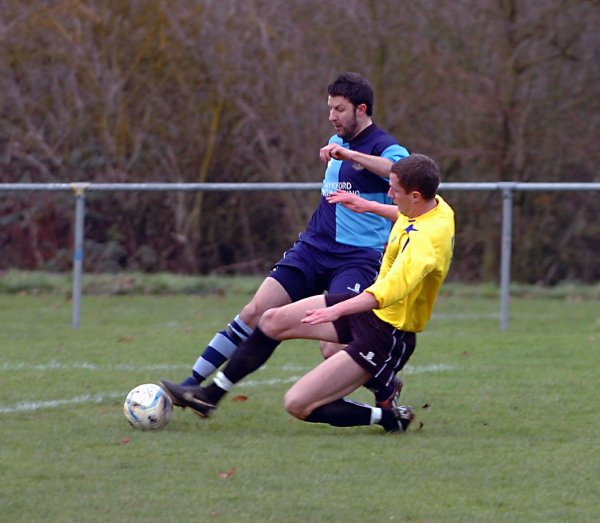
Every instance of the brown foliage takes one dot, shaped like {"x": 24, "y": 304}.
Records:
{"x": 231, "y": 90}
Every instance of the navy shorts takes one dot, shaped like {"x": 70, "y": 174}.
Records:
{"x": 375, "y": 345}
{"x": 306, "y": 271}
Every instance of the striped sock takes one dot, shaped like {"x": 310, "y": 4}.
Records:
{"x": 219, "y": 350}
{"x": 250, "y": 356}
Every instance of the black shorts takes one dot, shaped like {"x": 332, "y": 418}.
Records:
{"x": 375, "y": 345}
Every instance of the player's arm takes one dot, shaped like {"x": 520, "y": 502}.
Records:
{"x": 357, "y": 204}
{"x": 365, "y": 301}
{"x": 376, "y": 164}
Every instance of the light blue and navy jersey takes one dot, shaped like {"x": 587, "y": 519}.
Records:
{"x": 333, "y": 227}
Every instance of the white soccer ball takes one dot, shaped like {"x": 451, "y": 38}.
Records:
{"x": 147, "y": 407}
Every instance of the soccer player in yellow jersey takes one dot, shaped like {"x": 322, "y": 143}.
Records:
{"x": 377, "y": 326}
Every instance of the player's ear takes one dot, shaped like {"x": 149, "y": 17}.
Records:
{"x": 361, "y": 109}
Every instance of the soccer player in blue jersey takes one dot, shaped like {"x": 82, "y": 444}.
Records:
{"x": 377, "y": 326}
{"x": 340, "y": 250}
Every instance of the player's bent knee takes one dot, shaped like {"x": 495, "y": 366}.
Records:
{"x": 295, "y": 406}
{"x": 251, "y": 314}
{"x": 271, "y": 322}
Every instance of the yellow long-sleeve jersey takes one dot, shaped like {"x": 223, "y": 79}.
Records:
{"x": 415, "y": 263}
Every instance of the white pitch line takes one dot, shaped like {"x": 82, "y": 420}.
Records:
{"x": 56, "y": 365}
{"x": 31, "y": 406}
{"x": 436, "y": 367}
{"x": 127, "y": 367}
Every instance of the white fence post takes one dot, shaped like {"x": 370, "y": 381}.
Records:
{"x": 79, "y": 190}
{"x": 505, "y": 254}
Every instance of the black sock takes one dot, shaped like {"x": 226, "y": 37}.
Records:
{"x": 388, "y": 420}
{"x": 214, "y": 393}
{"x": 341, "y": 413}
{"x": 250, "y": 355}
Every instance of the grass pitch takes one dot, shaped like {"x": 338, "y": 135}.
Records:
{"x": 506, "y": 431}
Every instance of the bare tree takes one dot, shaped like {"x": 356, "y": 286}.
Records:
{"x": 232, "y": 90}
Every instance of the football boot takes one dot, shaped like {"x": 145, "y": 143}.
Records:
{"x": 190, "y": 396}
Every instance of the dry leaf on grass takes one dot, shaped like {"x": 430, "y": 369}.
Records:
{"x": 228, "y": 474}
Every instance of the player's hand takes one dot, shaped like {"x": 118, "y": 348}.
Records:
{"x": 349, "y": 200}
{"x": 334, "y": 151}
{"x": 316, "y": 316}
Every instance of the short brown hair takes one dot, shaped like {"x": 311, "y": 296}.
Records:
{"x": 355, "y": 88}
{"x": 418, "y": 172}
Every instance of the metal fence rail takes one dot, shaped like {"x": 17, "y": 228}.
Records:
{"x": 79, "y": 189}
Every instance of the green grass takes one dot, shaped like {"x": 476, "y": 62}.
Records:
{"x": 507, "y": 428}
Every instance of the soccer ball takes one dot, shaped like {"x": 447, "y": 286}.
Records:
{"x": 147, "y": 407}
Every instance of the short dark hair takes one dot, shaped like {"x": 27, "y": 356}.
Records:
{"x": 355, "y": 88}
{"x": 418, "y": 172}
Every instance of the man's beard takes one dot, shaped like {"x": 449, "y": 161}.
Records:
{"x": 350, "y": 131}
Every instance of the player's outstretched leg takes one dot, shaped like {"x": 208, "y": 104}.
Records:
{"x": 218, "y": 351}
{"x": 224, "y": 344}
{"x": 203, "y": 400}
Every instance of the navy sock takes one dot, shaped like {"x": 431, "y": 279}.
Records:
{"x": 382, "y": 392}
{"x": 192, "y": 381}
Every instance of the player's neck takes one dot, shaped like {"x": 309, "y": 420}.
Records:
{"x": 424, "y": 208}
{"x": 362, "y": 125}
